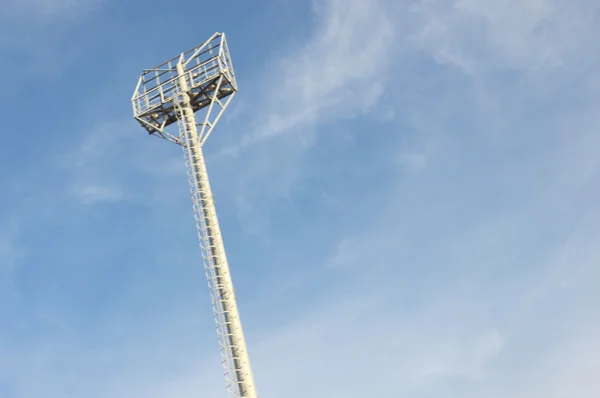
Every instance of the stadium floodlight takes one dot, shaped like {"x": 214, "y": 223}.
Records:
{"x": 201, "y": 81}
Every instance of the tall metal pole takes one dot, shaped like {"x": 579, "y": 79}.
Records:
{"x": 231, "y": 337}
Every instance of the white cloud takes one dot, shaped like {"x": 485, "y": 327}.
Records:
{"x": 359, "y": 346}
{"x": 487, "y": 346}
{"x": 43, "y": 11}
{"x": 465, "y": 357}
{"x": 35, "y": 33}
{"x": 10, "y": 253}
{"x": 513, "y": 34}
{"x": 92, "y": 194}
{"x": 341, "y": 71}
{"x": 94, "y": 166}
{"x": 344, "y": 255}
{"x": 413, "y": 162}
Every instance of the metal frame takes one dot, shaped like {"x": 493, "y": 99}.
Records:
{"x": 201, "y": 78}
{"x": 157, "y": 89}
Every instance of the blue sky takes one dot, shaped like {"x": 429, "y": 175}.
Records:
{"x": 408, "y": 193}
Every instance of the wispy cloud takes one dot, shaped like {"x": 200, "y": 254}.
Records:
{"x": 10, "y": 253}
{"x": 530, "y": 35}
{"x": 99, "y": 165}
{"x": 45, "y": 11}
{"x": 35, "y": 36}
{"x": 340, "y": 71}
{"x": 90, "y": 194}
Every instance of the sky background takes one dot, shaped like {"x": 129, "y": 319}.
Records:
{"x": 408, "y": 191}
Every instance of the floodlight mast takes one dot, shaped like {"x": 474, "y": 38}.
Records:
{"x": 201, "y": 79}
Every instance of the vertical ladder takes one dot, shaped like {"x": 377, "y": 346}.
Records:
{"x": 232, "y": 344}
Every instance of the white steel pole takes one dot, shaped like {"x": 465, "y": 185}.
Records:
{"x": 231, "y": 337}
